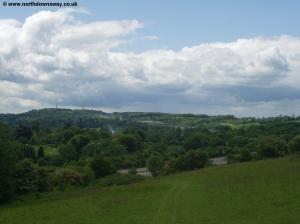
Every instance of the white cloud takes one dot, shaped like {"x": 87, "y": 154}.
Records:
{"x": 150, "y": 37}
{"x": 53, "y": 57}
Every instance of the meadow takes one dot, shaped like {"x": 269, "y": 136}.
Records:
{"x": 266, "y": 191}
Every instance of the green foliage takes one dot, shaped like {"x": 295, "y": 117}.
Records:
{"x": 155, "y": 164}
{"x": 29, "y": 152}
{"x": 70, "y": 132}
{"x": 193, "y": 159}
{"x": 238, "y": 141}
{"x": 7, "y": 165}
{"x": 44, "y": 179}
{"x": 246, "y": 155}
{"x": 78, "y": 142}
{"x": 195, "y": 141}
{"x": 131, "y": 142}
{"x": 76, "y": 139}
{"x": 66, "y": 176}
{"x": 132, "y": 171}
{"x": 120, "y": 179}
{"x": 270, "y": 147}
{"x": 114, "y": 149}
{"x": 67, "y": 152}
{"x": 41, "y": 153}
{"x": 26, "y": 177}
{"x": 266, "y": 192}
{"x": 294, "y": 144}
{"x": 102, "y": 167}
{"x": 23, "y": 133}
{"x": 92, "y": 149}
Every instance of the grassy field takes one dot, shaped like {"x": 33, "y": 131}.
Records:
{"x": 257, "y": 192}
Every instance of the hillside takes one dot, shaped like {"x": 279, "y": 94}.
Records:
{"x": 54, "y": 118}
{"x": 257, "y": 192}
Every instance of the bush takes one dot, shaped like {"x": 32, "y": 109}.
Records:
{"x": 130, "y": 141}
{"x": 294, "y": 144}
{"x": 193, "y": 159}
{"x": 26, "y": 177}
{"x": 7, "y": 166}
{"x": 120, "y": 179}
{"x": 102, "y": 167}
{"x": 68, "y": 153}
{"x": 271, "y": 147}
{"x": 195, "y": 141}
{"x": 29, "y": 152}
{"x": 169, "y": 167}
{"x": 155, "y": 164}
{"x": 132, "y": 171}
{"x": 245, "y": 155}
{"x": 70, "y": 176}
{"x": 44, "y": 179}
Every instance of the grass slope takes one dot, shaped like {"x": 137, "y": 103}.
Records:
{"x": 256, "y": 192}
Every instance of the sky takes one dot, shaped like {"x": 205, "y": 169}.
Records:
{"x": 213, "y": 57}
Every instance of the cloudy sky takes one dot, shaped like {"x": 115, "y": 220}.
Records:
{"x": 176, "y": 56}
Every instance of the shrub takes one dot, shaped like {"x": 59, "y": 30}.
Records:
{"x": 155, "y": 164}
{"x": 26, "y": 177}
{"x": 169, "y": 167}
{"x": 195, "y": 141}
{"x": 67, "y": 152}
{"x": 193, "y": 159}
{"x": 294, "y": 144}
{"x": 132, "y": 171}
{"x": 245, "y": 155}
{"x": 7, "y": 165}
{"x": 70, "y": 176}
{"x": 44, "y": 179}
{"x": 120, "y": 179}
{"x": 41, "y": 153}
{"x": 102, "y": 167}
{"x": 271, "y": 147}
{"x": 29, "y": 152}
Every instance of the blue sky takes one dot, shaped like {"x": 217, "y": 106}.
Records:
{"x": 214, "y": 57}
{"x": 187, "y": 23}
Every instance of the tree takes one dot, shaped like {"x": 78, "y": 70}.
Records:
{"x": 23, "y": 133}
{"x": 26, "y": 177}
{"x": 238, "y": 141}
{"x": 154, "y": 164}
{"x": 7, "y": 163}
{"x": 92, "y": 149}
{"x": 294, "y": 144}
{"x": 70, "y": 132}
{"x": 43, "y": 179}
{"x": 245, "y": 155}
{"x": 78, "y": 142}
{"x": 193, "y": 159}
{"x": 29, "y": 152}
{"x": 131, "y": 142}
{"x": 271, "y": 147}
{"x": 102, "y": 167}
{"x": 67, "y": 153}
{"x": 195, "y": 141}
{"x": 41, "y": 154}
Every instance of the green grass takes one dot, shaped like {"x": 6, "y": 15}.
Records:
{"x": 257, "y": 192}
{"x": 48, "y": 150}
{"x": 239, "y": 125}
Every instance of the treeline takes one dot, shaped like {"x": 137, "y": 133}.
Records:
{"x": 36, "y": 159}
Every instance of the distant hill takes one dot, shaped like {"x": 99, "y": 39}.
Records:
{"x": 56, "y": 117}
{"x": 52, "y": 117}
